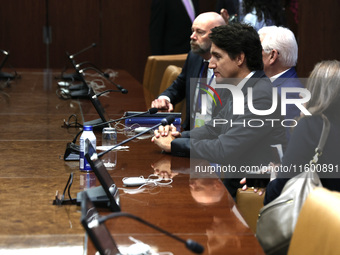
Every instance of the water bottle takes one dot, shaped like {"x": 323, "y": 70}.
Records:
{"x": 109, "y": 139}
{"x": 87, "y": 134}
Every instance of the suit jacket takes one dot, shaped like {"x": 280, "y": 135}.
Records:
{"x": 237, "y": 145}
{"x": 232, "y": 6}
{"x": 180, "y": 89}
{"x": 289, "y": 79}
{"x": 170, "y": 27}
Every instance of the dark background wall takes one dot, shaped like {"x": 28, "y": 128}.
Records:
{"x": 120, "y": 29}
{"x": 318, "y": 33}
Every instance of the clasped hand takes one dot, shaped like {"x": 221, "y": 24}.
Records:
{"x": 265, "y": 169}
{"x": 164, "y": 135}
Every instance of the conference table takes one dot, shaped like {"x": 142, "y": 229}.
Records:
{"x": 32, "y": 144}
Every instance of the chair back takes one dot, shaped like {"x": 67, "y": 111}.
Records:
{"x": 170, "y": 74}
{"x": 249, "y": 205}
{"x": 153, "y": 73}
{"x": 317, "y": 229}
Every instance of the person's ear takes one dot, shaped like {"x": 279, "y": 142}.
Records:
{"x": 274, "y": 54}
{"x": 240, "y": 59}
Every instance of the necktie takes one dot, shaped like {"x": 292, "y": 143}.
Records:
{"x": 205, "y": 70}
{"x": 202, "y": 85}
{"x": 189, "y": 9}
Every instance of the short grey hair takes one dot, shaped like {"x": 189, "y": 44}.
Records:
{"x": 283, "y": 40}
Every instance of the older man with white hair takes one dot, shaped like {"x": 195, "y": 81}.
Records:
{"x": 279, "y": 55}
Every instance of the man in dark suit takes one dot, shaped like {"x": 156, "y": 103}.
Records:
{"x": 279, "y": 55}
{"x": 244, "y": 140}
{"x": 200, "y": 51}
{"x": 170, "y": 26}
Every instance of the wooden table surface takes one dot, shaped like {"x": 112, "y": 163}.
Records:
{"x": 32, "y": 145}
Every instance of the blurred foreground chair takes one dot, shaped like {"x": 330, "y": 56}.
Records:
{"x": 249, "y": 205}
{"x": 317, "y": 229}
{"x": 153, "y": 73}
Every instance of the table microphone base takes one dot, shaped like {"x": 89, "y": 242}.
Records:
{"x": 6, "y": 76}
{"x": 82, "y": 93}
{"x": 72, "y": 152}
{"x": 97, "y": 196}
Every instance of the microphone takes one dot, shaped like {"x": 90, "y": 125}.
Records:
{"x": 124, "y": 91}
{"x": 72, "y": 149}
{"x": 166, "y": 121}
{"x": 83, "y": 50}
{"x": 76, "y": 75}
{"x": 6, "y": 53}
{"x": 4, "y": 75}
{"x": 150, "y": 111}
{"x": 93, "y": 67}
{"x": 190, "y": 244}
{"x": 82, "y": 71}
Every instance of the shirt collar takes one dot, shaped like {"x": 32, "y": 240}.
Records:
{"x": 274, "y": 77}
{"x": 244, "y": 80}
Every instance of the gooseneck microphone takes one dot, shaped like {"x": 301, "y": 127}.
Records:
{"x": 166, "y": 121}
{"x": 72, "y": 149}
{"x": 82, "y": 71}
{"x": 83, "y": 50}
{"x": 4, "y": 75}
{"x": 150, "y": 111}
{"x": 86, "y": 63}
{"x": 124, "y": 91}
{"x": 190, "y": 244}
{"x": 6, "y": 53}
{"x": 76, "y": 75}
{"x": 77, "y": 66}
{"x": 93, "y": 68}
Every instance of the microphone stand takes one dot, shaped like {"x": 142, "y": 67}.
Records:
{"x": 189, "y": 244}
{"x": 124, "y": 91}
{"x": 92, "y": 67}
{"x": 83, "y": 50}
{"x": 105, "y": 92}
{"x": 4, "y": 75}
{"x": 80, "y": 90}
{"x": 76, "y": 75}
{"x": 86, "y": 63}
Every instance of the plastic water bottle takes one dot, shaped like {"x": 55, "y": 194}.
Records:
{"x": 87, "y": 134}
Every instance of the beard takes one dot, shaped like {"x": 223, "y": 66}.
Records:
{"x": 199, "y": 49}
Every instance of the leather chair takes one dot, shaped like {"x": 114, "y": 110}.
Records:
{"x": 153, "y": 73}
{"x": 170, "y": 74}
{"x": 317, "y": 229}
{"x": 249, "y": 205}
